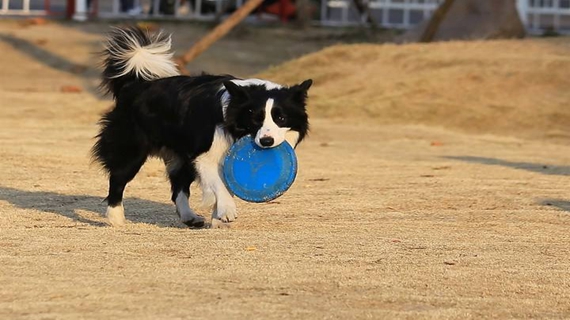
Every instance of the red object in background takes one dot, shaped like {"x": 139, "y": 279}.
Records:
{"x": 285, "y": 9}
{"x": 69, "y": 8}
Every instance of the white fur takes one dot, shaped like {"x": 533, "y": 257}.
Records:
{"x": 116, "y": 215}
{"x": 209, "y": 167}
{"x": 150, "y": 62}
{"x": 292, "y": 137}
{"x": 270, "y": 128}
{"x": 257, "y": 82}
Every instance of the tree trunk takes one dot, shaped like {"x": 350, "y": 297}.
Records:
{"x": 433, "y": 24}
{"x": 303, "y": 14}
{"x": 364, "y": 10}
{"x": 221, "y": 30}
{"x": 470, "y": 19}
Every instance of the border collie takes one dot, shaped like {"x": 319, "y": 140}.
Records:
{"x": 188, "y": 121}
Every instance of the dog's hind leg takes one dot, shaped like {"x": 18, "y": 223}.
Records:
{"x": 119, "y": 177}
{"x": 181, "y": 174}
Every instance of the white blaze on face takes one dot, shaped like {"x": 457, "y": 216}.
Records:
{"x": 270, "y": 128}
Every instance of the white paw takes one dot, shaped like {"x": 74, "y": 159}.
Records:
{"x": 116, "y": 216}
{"x": 226, "y": 211}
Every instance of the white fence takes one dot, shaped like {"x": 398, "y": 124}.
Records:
{"x": 136, "y": 9}
{"x": 388, "y": 13}
{"x": 537, "y": 15}
{"x": 23, "y": 7}
{"x": 176, "y": 9}
{"x": 540, "y": 15}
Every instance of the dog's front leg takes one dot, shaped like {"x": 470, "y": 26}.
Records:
{"x": 225, "y": 209}
{"x": 209, "y": 168}
{"x": 211, "y": 180}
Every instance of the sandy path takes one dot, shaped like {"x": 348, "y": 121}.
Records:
{"x": 379, "y": 223}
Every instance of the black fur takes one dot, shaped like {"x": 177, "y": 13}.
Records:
{"x": 175, "y": 118}
{"x": 247, "y": 108}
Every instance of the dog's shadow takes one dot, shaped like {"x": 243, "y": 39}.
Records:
{"x": 563, "y": 205}
{"x": 528, "y": 166}
{"x": 137, "y": 210}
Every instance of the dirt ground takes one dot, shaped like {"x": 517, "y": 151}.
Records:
{"x": 399, "y": 220}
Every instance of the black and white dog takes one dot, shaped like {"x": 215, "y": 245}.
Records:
{"x": 190, "y": 122}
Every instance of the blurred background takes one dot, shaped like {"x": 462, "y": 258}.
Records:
{"x": 536, "y": 15}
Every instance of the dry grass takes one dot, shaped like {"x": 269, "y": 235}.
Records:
{"x": 516, "y": 88}
{"x": 391, "y": 221}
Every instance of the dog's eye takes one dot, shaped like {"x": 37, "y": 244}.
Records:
{"x": 281, "y": 119}
{"x": 257, "y": 119}
{"x": 250, "y": 110}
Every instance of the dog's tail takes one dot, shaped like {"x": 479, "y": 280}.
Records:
{"x": 132, "y": 54}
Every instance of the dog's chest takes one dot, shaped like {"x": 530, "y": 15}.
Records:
{"x": 220, "y": 145}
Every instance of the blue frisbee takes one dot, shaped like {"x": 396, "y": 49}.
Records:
{"x": 256, "y": 174}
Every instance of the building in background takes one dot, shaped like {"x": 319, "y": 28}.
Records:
{"x": 537, "y": 15}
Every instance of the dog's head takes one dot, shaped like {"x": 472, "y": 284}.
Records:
{"x": 271, "y": 116}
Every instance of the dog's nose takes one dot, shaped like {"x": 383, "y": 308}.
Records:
{"x": 266, "y": 141}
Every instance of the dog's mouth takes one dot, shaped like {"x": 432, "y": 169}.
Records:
{"x": 270, "y": 137}
{"x": 267, "y": 142}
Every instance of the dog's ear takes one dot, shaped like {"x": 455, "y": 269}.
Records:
{"x": 235, "y": 91}
{"x": 299, "y": 91}
{"x": 305, "y": 85}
